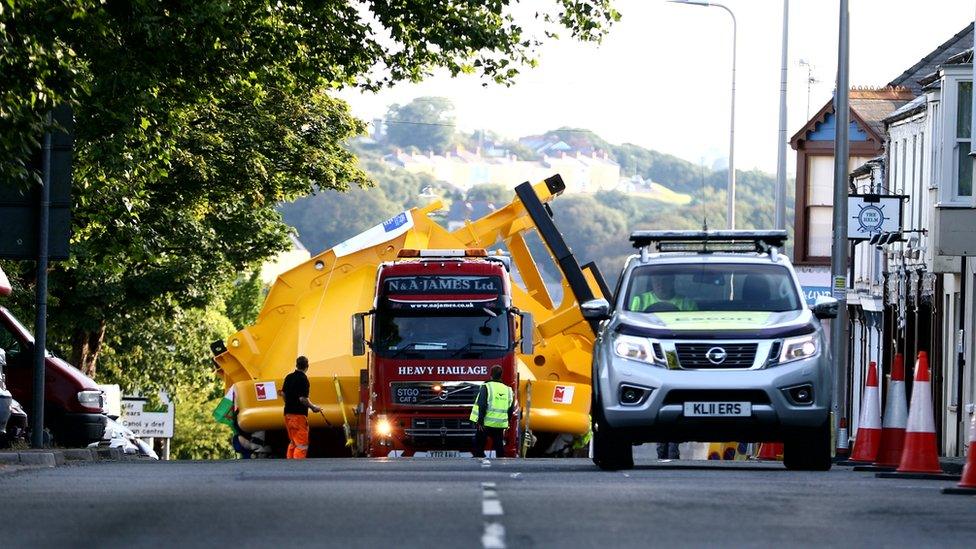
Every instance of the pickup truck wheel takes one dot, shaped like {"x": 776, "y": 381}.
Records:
{"x": 808, "y": 449}
{"x": 611, "y": 451}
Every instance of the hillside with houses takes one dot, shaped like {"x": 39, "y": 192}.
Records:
{"x": 415, "y": 155}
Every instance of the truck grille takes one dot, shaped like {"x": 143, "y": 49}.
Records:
{"x": 440, "y": 428}
{"x": 422, "y": 393}
{"x": 695, "y": 355}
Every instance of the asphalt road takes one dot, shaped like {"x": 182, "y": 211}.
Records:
{"x": 467, "y": 503}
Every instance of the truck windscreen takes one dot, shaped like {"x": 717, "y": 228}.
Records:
{"x": 482, "y": 333}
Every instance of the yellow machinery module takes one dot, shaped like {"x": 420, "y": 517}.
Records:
{"x": 308, "y": 311}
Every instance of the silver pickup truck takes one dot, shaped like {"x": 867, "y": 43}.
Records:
{"x": 709, "y": 339}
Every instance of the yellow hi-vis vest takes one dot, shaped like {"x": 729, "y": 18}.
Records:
{"x": 641, "y": 302}
{"x": 498, "y": 402}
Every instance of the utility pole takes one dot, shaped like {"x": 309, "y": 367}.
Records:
{"x": 839, "y": 251}
{"x": 40, "y": 322}
{"x": 781, "y": 146}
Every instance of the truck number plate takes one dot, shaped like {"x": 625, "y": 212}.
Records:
{"x": 718, "y": 409}
{"x": 444, "y": 453}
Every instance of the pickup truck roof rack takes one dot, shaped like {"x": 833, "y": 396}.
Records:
{"x": 709, "y": 241}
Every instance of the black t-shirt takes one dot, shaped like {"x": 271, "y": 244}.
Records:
{"x": 295, "y": 387}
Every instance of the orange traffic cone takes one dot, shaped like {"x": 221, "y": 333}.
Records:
{"x": 869, "y": 430}
{"x": 968, "y": 483}
{"x": 920, "y": 454}
{"x": 895, "y": 417}
{"x": 772, "y": 451}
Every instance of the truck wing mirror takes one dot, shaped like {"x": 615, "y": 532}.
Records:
{"x": 825, "y": 307}
{"x": 359, "y": 334}
{"x": 595, "y": 309}
{"x": 526, "y": 346}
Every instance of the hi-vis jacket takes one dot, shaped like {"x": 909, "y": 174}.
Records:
{"x": 498, "y": 402}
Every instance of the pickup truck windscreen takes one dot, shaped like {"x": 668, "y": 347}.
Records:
{"x": 711, "y": 287}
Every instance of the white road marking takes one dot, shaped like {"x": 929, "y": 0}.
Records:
{"x": 494, "y": 536}
{"x": 491, "y": 508}
{"x": 515, "y": 475}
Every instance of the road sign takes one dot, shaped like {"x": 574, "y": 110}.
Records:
{"x": 19, "y": 207}
{"x": 147, "y": 421}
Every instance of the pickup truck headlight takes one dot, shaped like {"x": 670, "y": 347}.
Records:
{"x": 635, "y": 348}
{"x": 90, "y": 398}
{"x": 796, "y": 348}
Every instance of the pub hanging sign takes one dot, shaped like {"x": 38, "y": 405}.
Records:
{"x": 872, "y": 214}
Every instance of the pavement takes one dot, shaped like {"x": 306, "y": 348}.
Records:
{"x": 472, "y": 503}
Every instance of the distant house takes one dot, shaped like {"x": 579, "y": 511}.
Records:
{"x": 545, "y": 145}
{"x": 814, "y": 146}
{"x": 911, "y": 290}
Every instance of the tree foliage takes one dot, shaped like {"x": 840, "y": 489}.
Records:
{"x": 426, "y": 123}
{"x": 194, "y": 119}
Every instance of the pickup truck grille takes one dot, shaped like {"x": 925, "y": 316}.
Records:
{"x": 440, "y": 428}
{"x": 423, "y": 393}
{"x": 695, "y": 355}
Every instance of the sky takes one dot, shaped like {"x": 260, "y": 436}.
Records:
{"x": 662, "y": 77}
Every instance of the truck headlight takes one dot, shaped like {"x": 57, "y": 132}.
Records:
{"x": 90, "y": 398}
{"x": 635, "y": 348}
{"x": 383, "y": 427}
{"x": 796, "y": 348}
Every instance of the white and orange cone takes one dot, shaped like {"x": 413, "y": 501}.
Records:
{"x": 920, "y": 454}
{"x": 967, "y": 485}
{"x": 868, "y": 439}
{"x": 771, "y": 451}
{"x": 895, "y": 417}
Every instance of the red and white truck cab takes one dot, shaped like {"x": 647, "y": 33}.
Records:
{"x": 441, "y": 320}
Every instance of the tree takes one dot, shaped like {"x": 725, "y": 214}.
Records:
{"x": 426, "y": 123}
{"x": 195, "y": 119}
{"x": 499, "y": 195}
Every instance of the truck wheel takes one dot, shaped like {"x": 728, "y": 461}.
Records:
{"x": 611, "y": 451}
{"x": 808, "y": 449}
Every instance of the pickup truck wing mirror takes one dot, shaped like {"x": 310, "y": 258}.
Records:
{"x": 595, "y": 309}
{"x": 825, "y": 307}
{"x": 526, "y": 346}
{"x": 359, "y": 334}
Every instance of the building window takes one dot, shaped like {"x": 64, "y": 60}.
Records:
{"x": 964, "y": 119}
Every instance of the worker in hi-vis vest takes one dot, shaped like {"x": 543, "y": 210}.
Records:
{"x": 491, "y": 410}
{"x": 661, "y": 291}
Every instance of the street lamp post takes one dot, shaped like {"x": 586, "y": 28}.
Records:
{"x": 730, "y": 216}
{"x": 780, "y": 215}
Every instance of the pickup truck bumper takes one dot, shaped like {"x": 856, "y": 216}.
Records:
{"x": 659, "y": 414}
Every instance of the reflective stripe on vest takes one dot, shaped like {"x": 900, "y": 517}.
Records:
{"x": 499, "y": 401}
